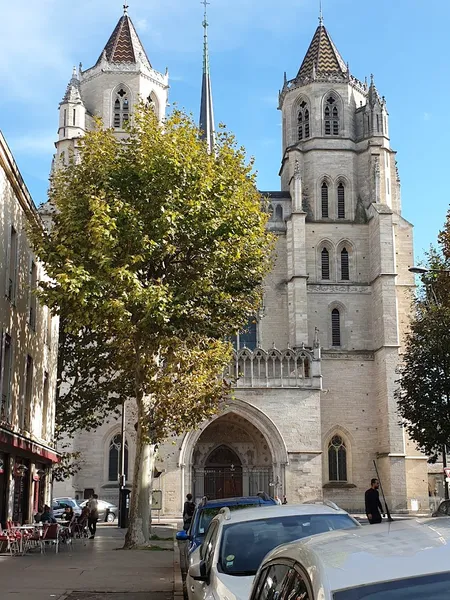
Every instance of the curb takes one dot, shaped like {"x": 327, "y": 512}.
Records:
{"x": 178, "y": 592}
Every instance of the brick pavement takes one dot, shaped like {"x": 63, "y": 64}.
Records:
{"x": 94, "y": 570}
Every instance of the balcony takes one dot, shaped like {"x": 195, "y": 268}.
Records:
{"x": 291, "y": 368}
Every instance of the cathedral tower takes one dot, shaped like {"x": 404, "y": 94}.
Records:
{"x": 122, "y": 75}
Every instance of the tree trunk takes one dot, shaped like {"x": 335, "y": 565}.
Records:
{"x": 139, "y": 526}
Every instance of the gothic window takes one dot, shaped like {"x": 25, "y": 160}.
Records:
{"x": 345, "y": 271}
{"x": 341, "y": 201}
{"x": 247, "y": 338}
{"x": 335, "y": 328}
{"x": 324, "y": 201}
{"x": 121, "y": 109}
{"x": 114, "y": 458}
{"x": 337, "y": 459}
{"x": 279, "y": 212}
{"x": 303, "y": 121}
{"x": 331, "y": 115}
{"x": 325, "y": 264}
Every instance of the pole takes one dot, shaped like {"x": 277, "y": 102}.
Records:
{"x": 444, "y": 464}
{"x": 122, "y": 475}
{"x": 382, "y": 493}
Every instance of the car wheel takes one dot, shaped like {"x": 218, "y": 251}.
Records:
{"x": 110, "y": 518}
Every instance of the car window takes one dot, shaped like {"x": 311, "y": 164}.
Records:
{"x": 209, "y": 545}
{"x": 272, "y": 581}
{"x": 55, "y": 506}
{"x": 444, "y": 508}
{"x": 248, "y": 542}
{"x": 208, "y": 514}
{"x": 297, "y": 587}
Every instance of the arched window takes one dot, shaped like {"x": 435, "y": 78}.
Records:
{"x": 325, "y": 212}
{"x": 247, "y": 338}
{"x": 337, "y": 459}
{"x": 341, "y": 201}
{"x": 114, "y": 458}
{"x": 303, "y": 121}
{"x": 345, "y": 271}
{"x": 331, "y": 117}
{"x": 335, "y": 327}
{"x": 121, "y": 108}
{"x": 325, "y": 264}
{"x": 279, "y": 212}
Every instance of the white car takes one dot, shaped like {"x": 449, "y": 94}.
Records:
{"x": 403, "y": 560}
{"x": 237, "y": 541}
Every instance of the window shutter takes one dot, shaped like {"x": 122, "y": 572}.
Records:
{"x": 345, "y": 271}
{"x": 324, "y": 201}
{"x": 336, "y": 327}
{"x": 325, "y": 264}
{"x": 341, "y": 201}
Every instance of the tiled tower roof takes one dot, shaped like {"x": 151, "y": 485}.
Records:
{"x": 124, "y": 45}
{"x": 322, "y": 57}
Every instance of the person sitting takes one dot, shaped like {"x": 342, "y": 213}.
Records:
{"x": 47, "y": 515}
{"x": 68, "y": 514}
{"x": 37, "y": 516}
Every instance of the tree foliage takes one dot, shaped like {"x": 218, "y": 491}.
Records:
{"x": 423, "y": 395}
{"x": 158, "y": 250}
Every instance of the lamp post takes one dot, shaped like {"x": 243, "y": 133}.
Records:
{"x": 423, "y": 271}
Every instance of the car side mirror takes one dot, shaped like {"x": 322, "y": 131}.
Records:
{"x": 182, "y": 536}
{"x": 198, "y": 571}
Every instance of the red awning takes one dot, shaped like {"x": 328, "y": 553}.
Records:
{"x": 22, "y": 443}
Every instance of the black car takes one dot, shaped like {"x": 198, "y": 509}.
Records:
{"x": 106, "y": 511}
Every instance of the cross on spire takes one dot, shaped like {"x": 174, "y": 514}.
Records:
{"x": 320, "y": 13}
{"x": 205, "y": 4}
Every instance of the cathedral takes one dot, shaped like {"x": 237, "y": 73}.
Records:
{"x": 313, "y": 413}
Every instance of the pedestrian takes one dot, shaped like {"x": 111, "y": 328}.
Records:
{"x": 277, "y": 500}
{"x": 373, "y": 504}
{"x": 188, "y": 512}
{"x": 284, "y": 500}
{"x": 93, "y": 515}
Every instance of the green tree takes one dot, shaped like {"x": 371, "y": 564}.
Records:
{"x": 160, "y": 249}
{"x": 423, "y": 394}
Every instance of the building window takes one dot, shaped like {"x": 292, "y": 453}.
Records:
{"x": 45, "y": 408}
{"x": 345, "y": 271}
{"x": 74, "y": 116}
{"x": 331, "y": 116}
{"x": 12, "y": 266}
{"x": 325, "y": 264}
{"x": 33, "y": 299}
{"x": 28, "y": 399}
{"x": 337, "y": 459}
{"x": 114, "y": 458}
{"x": 341, "y": 201}
{"x": 303, "y": 121}
{"x": 121, "y": 109}
{"x": 325, "y": 212}
{"x": 335, "y": 328}
{"x": 6, "y": 375}
{"x": 248, "y": 337}
{"x": 279, "y": 212}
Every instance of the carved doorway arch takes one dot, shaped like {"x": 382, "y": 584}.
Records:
{"x": 223, "y": 474}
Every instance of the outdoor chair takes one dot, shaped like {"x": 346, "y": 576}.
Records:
{"x": 11, "y": 541}
{"x": 51, "y": 536}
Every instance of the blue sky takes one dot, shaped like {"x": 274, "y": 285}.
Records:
{"x": 403, "y": 42}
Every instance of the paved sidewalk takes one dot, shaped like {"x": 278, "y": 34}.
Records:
{"x": 94, "y": 570}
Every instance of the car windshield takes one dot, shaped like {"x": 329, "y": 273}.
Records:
{"x": 245, "y": 544}
{"x": 208, "y": 514}
{"x": 435, "y": 587}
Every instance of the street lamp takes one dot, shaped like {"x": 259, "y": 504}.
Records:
{"x": 422, "y": 271}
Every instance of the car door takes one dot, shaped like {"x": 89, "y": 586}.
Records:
{"x": 198, "y": 590}
{"x": 271, "y": 582}
{"x": 298, "y": 585}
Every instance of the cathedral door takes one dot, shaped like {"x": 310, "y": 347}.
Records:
{"x": 223, "y": 474}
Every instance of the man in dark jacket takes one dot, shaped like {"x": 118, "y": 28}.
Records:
{"x": 188, "y": 512}
{"x": 373, "y": 504}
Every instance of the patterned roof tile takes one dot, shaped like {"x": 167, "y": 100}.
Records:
{"x": 124, "y": 45}
{"x": 323, "y": 56}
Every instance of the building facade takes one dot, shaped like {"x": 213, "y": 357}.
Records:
{"x": 28, "y": 356}
{"x": 314, "y": 403}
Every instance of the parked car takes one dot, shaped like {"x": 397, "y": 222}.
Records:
{"x": 203, "y": 515}
{"x": 443, "y": 510}
{"x": 236, "y": 543}
{"x": 59, "y": 504}
{"x": 106, "y": 511}
{"x": 392, "y": 561}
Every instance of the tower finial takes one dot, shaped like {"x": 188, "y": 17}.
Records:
{"x": 320, "y": 13}
{"x": 125, "y": 9}
{"x": 205, "y": 37}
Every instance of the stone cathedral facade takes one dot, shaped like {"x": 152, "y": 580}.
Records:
{"x": 314, "y": 402}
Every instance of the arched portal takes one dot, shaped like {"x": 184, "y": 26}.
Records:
{"x": 223, "y": 474}
{"x": 231, "y": 457}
